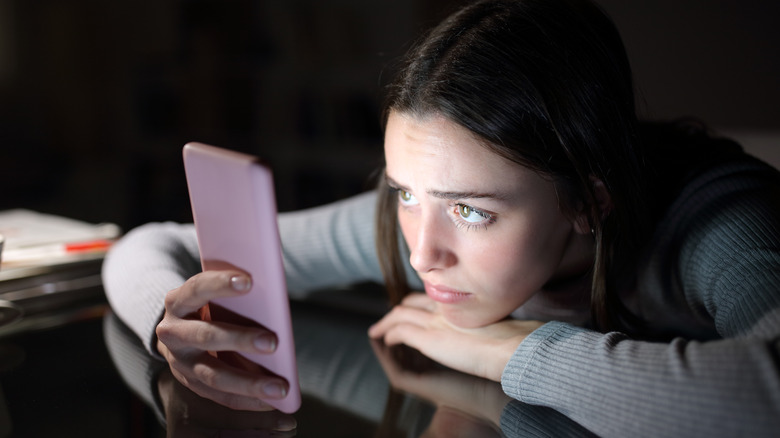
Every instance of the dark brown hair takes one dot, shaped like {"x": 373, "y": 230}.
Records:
{"x": 547, "y": 85}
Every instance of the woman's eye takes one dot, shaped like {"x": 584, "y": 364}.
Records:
{"x": 471, "y": 215}
{"x": 407, "y": 198}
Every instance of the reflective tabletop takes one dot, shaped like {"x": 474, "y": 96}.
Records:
{"x": 94, "y": 378}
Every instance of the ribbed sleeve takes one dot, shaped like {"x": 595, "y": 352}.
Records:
{"x": 731, "y": 260}
{"x": 524, "y": 420}
{"x": 618, "y": 387}
{"x": 330, "y": 245}
{"x": 142, "y": 267}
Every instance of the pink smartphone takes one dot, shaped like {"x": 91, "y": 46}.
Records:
{"x": 234, "y": 210}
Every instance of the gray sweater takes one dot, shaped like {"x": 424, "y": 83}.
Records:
{"x": 709, "y": 281}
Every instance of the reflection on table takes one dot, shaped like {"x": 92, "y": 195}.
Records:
{"x": 351, "y": 386}
{"x": 62, "y": 382}
{"x": 34, "y": 298}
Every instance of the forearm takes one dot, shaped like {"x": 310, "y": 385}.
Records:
{"x": 140, "y": 270}
{"x": 618, "y": 387}
{"x": 329, "y": 246}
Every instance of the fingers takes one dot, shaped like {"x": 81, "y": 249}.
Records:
{"x": 243, "y": 388}
{"x": 211, "y": 373}
{"x": 420, "y": 301}
{"x": 400, "y": 315}
{"x": 213, "y": 378}
{"x": 413, "y": 335}
{"x": 238, "y": 402}
{"x": 185, "y": 341}
{"x": 180, "y": 334}
{"x": 204, "y": 287}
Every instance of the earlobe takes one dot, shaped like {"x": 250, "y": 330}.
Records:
{"x": 581, "y": 223}
{"x": 603, "y": 200}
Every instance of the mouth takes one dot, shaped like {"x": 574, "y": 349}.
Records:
{"x": 445, "y": 294}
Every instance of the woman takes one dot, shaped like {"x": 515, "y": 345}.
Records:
{"x": 639, "y": 264}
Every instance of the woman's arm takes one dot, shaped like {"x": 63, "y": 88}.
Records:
{"x": 715, "y": 270}
{"x": 153, "y": 280}
{"x": 142, "y": 267}
{"x": 619, "y": 387}
{"x": 331, "y": 245}
{"x": 322, "y": 247}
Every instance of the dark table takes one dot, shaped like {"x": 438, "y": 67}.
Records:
{"x": 92, "y": 377}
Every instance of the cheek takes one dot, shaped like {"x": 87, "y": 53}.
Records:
{"x": 518, "y": 264}
{"x": 408, "y": 226}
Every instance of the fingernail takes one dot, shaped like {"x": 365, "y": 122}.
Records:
{"x": 240, "y": 283}
{"x": 286, "y": 423}
{"x": 275, "y": 389}
{"x": 266, "y": 343}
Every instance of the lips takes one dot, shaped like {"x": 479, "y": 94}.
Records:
{"x": 445, "y": 294}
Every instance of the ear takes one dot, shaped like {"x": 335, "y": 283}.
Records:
{"x": 603, "y": 203}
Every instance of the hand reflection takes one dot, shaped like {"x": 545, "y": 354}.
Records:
{"x": 190, "y": 415}
{"x": 466, "y": 405}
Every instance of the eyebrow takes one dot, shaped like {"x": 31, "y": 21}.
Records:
{"x": 451, "y": 195}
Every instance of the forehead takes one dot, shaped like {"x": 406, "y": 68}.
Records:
{"x": 435, "y": 147}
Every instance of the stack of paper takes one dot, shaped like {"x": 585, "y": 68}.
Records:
{"x": 37, "y": 239}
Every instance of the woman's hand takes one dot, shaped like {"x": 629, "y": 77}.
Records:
{"x": 185, "y": 341}
{"x": 483, "y": 351}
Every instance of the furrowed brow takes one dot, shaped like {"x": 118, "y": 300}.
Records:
{"x": 466, "y": 195}
{"x": 393, "y": 183}
{"x": 451, "y": 195}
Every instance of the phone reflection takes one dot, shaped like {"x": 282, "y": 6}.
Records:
{"x": 351, "y": 386}
{"x": 189, "y": 415}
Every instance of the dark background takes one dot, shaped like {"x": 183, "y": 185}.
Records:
{"x": 97, "y": 97}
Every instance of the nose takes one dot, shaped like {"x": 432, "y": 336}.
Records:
{"x": 432, "y": 246}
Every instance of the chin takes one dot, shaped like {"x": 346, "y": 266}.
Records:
{"x": 467, "y": 320}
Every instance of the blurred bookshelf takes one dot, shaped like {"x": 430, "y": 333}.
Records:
{"x": 97, "y": 98}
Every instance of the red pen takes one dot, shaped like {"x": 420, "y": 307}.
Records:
{"x": 42, "y": 252}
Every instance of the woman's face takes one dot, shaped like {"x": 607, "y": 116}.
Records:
{"x": 484, "y": 233}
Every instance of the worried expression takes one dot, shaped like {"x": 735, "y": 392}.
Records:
{"x": 485, "y": 234}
